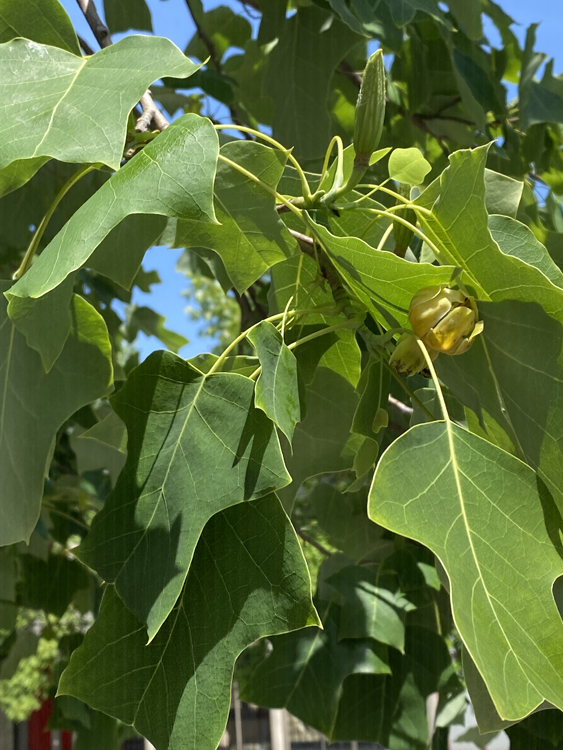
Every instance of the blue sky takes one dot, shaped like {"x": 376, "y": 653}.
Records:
{"x": 171, "y": 19}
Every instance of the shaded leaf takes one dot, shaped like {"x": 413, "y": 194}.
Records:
{"x": 224, "y": 28}
{"x": 374, "y": 390}
{"x": 35, "y": 403}
{"x": 502, "y": 194}
{"x": 248, "y": 579}
{"x": 43, "y": 21}
{"x": 250, "y": 237}
{"x": 474, "y": 523}
{"x": 122, "y": 15}
{"x": 196, "y": 445}
{"x": 151, "y": 324}
{"x": 50, "y": 585}
{"x": 53, "y": 97}
{"x": 277, "y": 388}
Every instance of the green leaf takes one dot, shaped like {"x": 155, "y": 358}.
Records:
{"x": 58, "y": 101}
{"x": 196, "y": 445}
{"x": 374, "y": 605}
{"x": 151, "y": 324}
{"x": 248, "y": 579}
{"x": 250, "y": 236}
{"x": 362, "y": 18}
{"x": 379, "y": 279}
{"x": 408, "y": 165}
{"x": 459, "y": 227}
{"x": 468, "y": 14}
{"x": 343, "y": 518}
{"x": 306, "y": 669}
{"x": 35, "y": 404}
{"x": 172, "y": 176}
{"x": 374, "y": 389}
{"x": 122, "y": 15}
{"x": 319, "y": 440}
{"x": 50, "y": 585}
{"x": 18, "y": 173}
{"x": 517, "y": 239}
{"x": 277, "y": 388}
{"x": 43, "y": 21}
{"x": 241, "y": 364}
{"x": 404, "y": 11}
{"x": 8, "y": 578}
{"x": 502, "y": 194}
{"x": 298, "y": 78}
{"x": 475, "y": 522}
{"x": 297, "y": 277}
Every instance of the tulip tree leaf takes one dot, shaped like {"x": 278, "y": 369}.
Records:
{"x": 50, "y": 585}
{"x": 306, "y": 669}
{"x": 18, "y": 173}
{"x": 250, "y": 236}
{"x": 502, "y": 194}
{"x": 152, "y": 324}
{"x": 35, "y": 404}
{"x": 459, "y": 228}
{"x": 277, "y": 388}
{"x": 196, "y": 445}
{"x": 319, "y": 439}
{"x": 475, "y": 523}
{"x": 298, "y": 79}
{"x": 378, "y": 278}
{"x": 122, "y": 15}
{"x": 297, "y": 278}
{"x": 43, "y": 21}
{"x": 370, "y": 415}
{"x": 248, "y": 579}
{"x": 46, "y": 97}
{"x": 172, "y": 176}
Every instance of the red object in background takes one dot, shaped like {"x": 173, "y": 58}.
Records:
{"x": 40, "y": 739}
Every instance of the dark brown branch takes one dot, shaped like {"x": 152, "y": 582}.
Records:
{"x": 150, "y": 112}
{"x": 311, "y": 541}
{"x": 85, "y": 46}
{"x": 215, "y": 59}
{"x": 99, "y": 29}
{"x": 347, "y": 70}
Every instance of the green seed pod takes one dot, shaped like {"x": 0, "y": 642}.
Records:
{"x": 370, "y": 110}
{"x": 445, "y": 319}
{"x": 402, "y": 234}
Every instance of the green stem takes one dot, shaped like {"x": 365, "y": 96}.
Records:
{"x": 36, "y": 239}
{"x": 405, "y": 222}
{"x": 278, "y": 145}
{"x": 382, "y": 188}
{"x": 437, "y": 385}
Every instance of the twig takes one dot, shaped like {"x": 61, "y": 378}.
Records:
{"x": 347, "y": 70}
{"x": 311, "y": 541}
{"x": 403, "y": 408}
{"x": 215, "y": 59}
{"x": 85, "y": 46}
{"x": 150, "y": 112}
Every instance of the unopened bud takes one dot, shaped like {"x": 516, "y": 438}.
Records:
{"x": 370, "y": 110}
{"x": 408, "y": 358}
{"x": 445, "y": 319}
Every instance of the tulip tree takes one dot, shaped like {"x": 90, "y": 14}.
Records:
{"x": 353, "y": 502}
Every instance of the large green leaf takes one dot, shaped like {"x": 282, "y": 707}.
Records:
{"x": 196, "y": 445}
{"x": 319, "y": 440}
{"x": 298, "y": 78}
{"x": 43, "y": 21}
{"x": 297, "y": 278}
{"x": 46, "y": 97}
{"x": 306, "y": 670}
{"x": 172, "y": 176}
{"x": 34, "y": 405}
{"x": 248, "y": 579}
{"x": 50, "y": 585}
{"x": 515, "y": 374}
{"x": 380, "y": 279}
{"x": 250, "y": 237}
{"x": 459, "y": 228}
{"x": 277, "y": 388}
{"x": 481, "y": 511}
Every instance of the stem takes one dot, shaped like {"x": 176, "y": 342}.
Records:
{"x": 329, "y": 329}
{"x": 437, "y": 385}
{"x": 36, "y": 239}
{"x": 263, "y": 185}
{"x": 411, "y": 394}
{"x": 383, "y": 240}
{"x": 61, "y": 513}
{"x": 415, "y": 229}
{"x": 376, "y": 188}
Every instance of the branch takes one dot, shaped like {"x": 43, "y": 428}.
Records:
{"x": 150, "y": 112}
{"x": 311, "y": 541}
{"x": 215, "y": 59}
{"x": 403, "y": 408}
{"x": 85, "y": 46}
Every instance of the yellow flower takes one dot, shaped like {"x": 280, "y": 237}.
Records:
{"x": 445, "y": 319}
{"x": 408, "y": 358}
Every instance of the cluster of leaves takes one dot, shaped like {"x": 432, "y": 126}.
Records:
{"x": 287, "y": 508}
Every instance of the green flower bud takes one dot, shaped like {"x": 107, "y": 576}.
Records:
{"x": 445, "y": 319}
{"x": 408, "y": 358}
{"x": 370, "y": 110}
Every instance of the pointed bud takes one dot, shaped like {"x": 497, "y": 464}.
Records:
{"x": 407, "y": 358}
{"x": 370, "y": 110}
